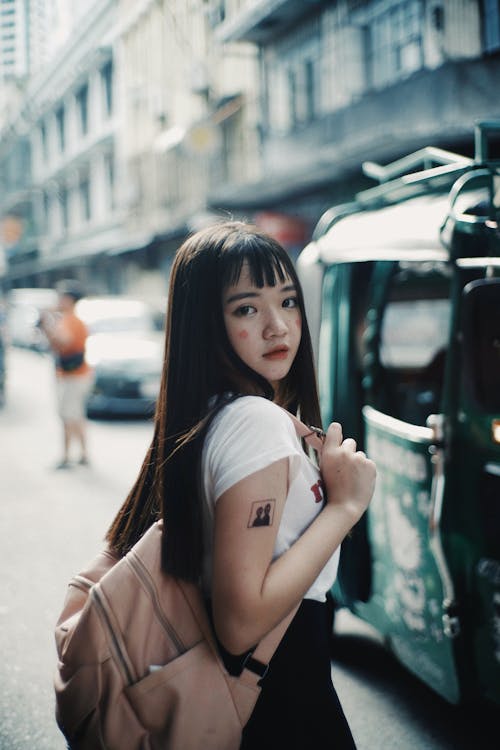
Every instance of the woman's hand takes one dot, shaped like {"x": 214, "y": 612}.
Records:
{"x": 348, "y": 475}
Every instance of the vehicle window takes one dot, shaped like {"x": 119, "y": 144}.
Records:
{"x": 488, "y": 361}
{"x": 413, "y": 331}
{"x": 482, "y": 344}
{"x": 413, "y": 344}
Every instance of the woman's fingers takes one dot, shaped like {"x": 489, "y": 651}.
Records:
{"x": 350, "y": 444}
{"x": 349, "y": 476}
{"x": 335, "y": 438}
{"x": 334, "y": 434}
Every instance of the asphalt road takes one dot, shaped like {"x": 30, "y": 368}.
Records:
{"x": 53, "y": 522}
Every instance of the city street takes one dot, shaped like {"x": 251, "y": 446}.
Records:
{"x": 53, "y": 522}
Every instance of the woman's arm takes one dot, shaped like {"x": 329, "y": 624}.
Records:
{"x": 251, "y": 593}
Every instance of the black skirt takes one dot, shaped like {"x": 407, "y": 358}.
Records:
{"x": 298, "y": 707}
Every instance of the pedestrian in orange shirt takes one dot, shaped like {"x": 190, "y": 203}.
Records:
{"x": 67, "y": 335}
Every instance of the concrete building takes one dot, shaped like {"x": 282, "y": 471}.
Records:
{"x": 31, "y": 31}
{"x": 345, "y": 81}
{"x": 157, "y": 116}
{"x": 190, "y": 113}
{"x": 127, "y": 131}
{"x": 67, "y": 127}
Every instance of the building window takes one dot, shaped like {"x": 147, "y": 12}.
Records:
{"x": 46, "y": 210}
{"x": 292, "y": 98}
{"x": 293, "y": 80}
{"x": 309, "y": 90}
{"x": 107, "y": 87}
{"x": 63, "y": 201}
{"x": 60, "y": 124}
{"x": 43, "y": 140}
{"x": 84, "y": 193}
{"x": 216, "y": 12}
{"x": 395, "y": 42}
{"x": 82, "y": 97}
{"x": 301, "y": 92}
{"x": 491, "y": 25}
{"x": 109, "y": 177}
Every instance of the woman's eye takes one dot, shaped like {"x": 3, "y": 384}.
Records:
{"x": 244, "y": 310}
{"x": 290, "y": 302}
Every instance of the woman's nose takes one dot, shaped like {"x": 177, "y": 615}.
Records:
{"x": 275, "y": 324}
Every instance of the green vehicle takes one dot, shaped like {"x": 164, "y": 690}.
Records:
{"x": 402, "y": 287}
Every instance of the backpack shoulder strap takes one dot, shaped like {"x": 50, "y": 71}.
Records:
{"x": 314, "y": 436}
{"x": 257, "y": 662}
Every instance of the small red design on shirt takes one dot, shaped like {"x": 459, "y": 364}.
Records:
{"x": 317, "y": 490}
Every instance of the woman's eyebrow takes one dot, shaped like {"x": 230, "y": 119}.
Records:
{"x": 245, "y": 295}
{"x": 240, "y": 295}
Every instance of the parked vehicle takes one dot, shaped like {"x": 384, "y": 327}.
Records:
{"x": 403, "y": 292}
{"x": 125, "y": 349}
{"x": 24, "y": 306}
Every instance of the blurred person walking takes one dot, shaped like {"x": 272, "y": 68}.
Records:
{"x": 67, "y": 334}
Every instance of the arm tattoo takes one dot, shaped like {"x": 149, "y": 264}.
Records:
{"x": 262, "y": 513}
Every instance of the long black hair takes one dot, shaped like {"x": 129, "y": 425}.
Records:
{"x": 200, "y": 370}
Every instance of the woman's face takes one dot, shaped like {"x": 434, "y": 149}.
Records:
{"x": 263, "y": 325}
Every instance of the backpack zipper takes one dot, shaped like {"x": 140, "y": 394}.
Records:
{"x": 82, "y": 583}
{"x": 143, "y": 574}
{"x": 119, "y": 655}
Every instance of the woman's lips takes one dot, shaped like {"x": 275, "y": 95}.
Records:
{"x": 281, "y": 353}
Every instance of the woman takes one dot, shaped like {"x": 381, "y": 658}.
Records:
{"x": 247, "y": 511}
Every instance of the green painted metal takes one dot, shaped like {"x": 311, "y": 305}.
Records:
{"x": 410, "y": 586}
{"x": 423, "y": 565}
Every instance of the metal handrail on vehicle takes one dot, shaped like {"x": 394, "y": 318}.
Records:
{"x": 400, "y": 179}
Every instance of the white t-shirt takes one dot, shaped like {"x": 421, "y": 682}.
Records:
{"x": 247, "y": 435}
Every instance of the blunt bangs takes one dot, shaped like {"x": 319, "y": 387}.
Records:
{"x": 268, "y": 264}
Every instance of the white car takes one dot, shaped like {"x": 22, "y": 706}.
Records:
{"x": 24, "y": 306}
{"x": 125, "y": 349}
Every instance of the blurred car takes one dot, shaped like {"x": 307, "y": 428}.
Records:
{"x": 24, "y": 306}
{"x": 125, "y": 350}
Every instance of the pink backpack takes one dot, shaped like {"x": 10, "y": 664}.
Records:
{"x": 138, "y": 663}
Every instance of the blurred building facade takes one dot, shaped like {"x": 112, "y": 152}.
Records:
{"x": 122, "y": 135}
{"x": 67, "y": 125}
{"x": 189, "y": 108}
{"x": 353, "y": 80}
{"x": 158, "y": 116}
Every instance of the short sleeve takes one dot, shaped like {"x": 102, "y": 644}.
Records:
{"x": 249, "y": 434}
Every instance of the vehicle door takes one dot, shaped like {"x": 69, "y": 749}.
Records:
{"x": 405, "y": 343}
{"x": 476, "y": 483}
{"x": 343, "y": 305}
